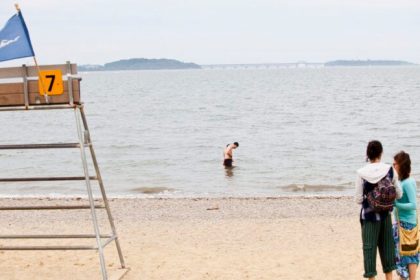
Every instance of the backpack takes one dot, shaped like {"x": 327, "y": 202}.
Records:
{"x": 383, "y": 195}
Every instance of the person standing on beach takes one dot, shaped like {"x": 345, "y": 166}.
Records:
{"x": 228, "y": 154}
{"x": 407, "y": 255}
{"x": 376, "y": 224}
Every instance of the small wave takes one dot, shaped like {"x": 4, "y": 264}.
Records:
{"x": 404, "y": 123}
{"x": 152, "y": 190}
{"x": 313, "y": 188}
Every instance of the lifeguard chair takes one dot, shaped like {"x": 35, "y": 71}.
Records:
{"x": 60, "y": 88}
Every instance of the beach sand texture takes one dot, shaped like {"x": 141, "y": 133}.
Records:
{"x": 209, "y": 238}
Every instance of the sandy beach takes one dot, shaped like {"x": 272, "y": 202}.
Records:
{"x": 209, "y": 238}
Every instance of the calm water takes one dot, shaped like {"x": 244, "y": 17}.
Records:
{"x": 301, "y": 131}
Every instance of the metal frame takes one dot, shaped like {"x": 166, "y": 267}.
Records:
{"x": 84, "y": 141}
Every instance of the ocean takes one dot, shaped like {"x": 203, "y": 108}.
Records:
{"x": 162, "y": 133}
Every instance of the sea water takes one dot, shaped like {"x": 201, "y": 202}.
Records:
{"x": 162, "y": 133}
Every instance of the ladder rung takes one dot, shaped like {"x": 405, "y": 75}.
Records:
{"x": 41, "y": 146}
{"x": 30, "y": 248}
{"x": 46, "y": 236}
{"x": 40, "y": 107}
{"x": 56, "y": 207}
{"x": 34, "y": 179}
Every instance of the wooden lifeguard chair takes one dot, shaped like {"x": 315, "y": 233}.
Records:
{"x": 60, "y": 81}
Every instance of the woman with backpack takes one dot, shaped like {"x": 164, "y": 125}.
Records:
{"x": 405, "y": 230}
{"x": 377, "y": 187}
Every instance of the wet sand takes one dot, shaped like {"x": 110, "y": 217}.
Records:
{"x": 230, "y": 238}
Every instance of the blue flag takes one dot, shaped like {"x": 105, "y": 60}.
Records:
{"x": 14, "y": 39}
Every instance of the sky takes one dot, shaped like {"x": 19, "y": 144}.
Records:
{"x": 219, "y": 31}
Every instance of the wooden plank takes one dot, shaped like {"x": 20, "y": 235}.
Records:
{"x": 11, "y": 94}
{"x": 12, "y": 99}
{"x": 34, "y": 88}
{"x": 18, "y": 88}
{"x": 11, "y": 88}
{"x": 36, "y": 99}
{"x": 16, "y": 72}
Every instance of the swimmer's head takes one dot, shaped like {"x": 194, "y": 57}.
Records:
{"x": 236, "y": 144}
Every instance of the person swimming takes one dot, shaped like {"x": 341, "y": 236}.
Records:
{"x": 228, "y": 154}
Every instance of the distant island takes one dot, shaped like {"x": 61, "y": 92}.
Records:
{"x": 140, "y": 64}
{"x": 368, "y": 63}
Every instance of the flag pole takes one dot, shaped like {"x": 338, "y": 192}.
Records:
{"x": 37, "y": 67}
{"x": 40, "y": 80}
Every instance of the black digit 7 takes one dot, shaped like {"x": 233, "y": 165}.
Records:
{"x": 52, "y": 77}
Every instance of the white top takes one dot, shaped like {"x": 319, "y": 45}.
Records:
{"x": 373, "y": 173}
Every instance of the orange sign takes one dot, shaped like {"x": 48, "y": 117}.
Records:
{"x": 50, "y": 82}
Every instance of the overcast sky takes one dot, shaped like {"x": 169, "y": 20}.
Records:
{"x": 220, "y": 31}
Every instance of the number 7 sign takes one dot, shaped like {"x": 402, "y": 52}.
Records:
{"x": 50, "y": 82}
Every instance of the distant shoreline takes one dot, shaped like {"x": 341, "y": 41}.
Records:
{"x": 172, "y": 64}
